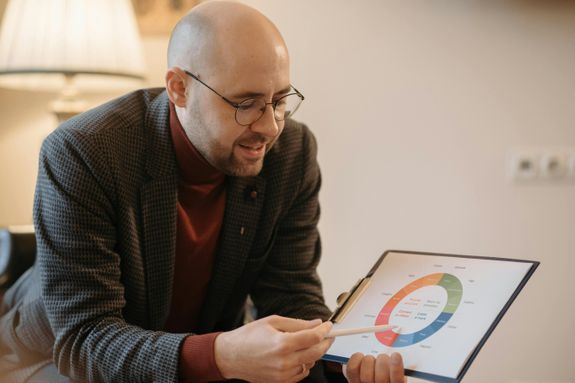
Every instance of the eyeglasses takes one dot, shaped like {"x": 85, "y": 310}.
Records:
{"x": 252, "y": 109}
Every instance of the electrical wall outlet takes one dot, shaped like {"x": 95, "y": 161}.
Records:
{"x": 536, "y": 165}
{"x": 553, "y": 165}
{"x": 524, "y": 166}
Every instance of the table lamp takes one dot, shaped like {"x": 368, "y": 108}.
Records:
{"x": 70, "y": 46}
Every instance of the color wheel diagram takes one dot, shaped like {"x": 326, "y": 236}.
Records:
{"x": 420, "y": 308}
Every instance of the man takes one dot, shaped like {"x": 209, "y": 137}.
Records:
{"x": 158, "y": 213}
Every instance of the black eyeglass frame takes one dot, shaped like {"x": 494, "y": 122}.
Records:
{"x": 239, "y": 104}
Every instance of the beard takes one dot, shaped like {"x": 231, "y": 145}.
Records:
{"x": 225, "y": 157}
{"x": 233, "y": 165}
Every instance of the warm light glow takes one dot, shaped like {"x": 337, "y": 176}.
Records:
{"x": 97, "y": 41}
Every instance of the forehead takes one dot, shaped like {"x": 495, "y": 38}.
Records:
{"x": 248, "y": 66}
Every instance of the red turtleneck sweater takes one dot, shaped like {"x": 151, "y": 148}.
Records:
{"x": 201, "y": 203}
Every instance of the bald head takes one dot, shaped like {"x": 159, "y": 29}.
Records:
{"x": 217, "y": 34}
{"x": 223, "y": 54}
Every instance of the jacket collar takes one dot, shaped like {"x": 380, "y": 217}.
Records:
{"x": 160, "y": 159}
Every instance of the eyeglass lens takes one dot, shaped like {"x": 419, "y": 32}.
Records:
{"x": 251, "y": 110}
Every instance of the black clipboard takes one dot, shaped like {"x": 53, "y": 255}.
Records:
{"x": 452, "y": 281}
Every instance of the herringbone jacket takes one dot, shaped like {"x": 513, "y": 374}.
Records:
{"x": 97, "y": 299}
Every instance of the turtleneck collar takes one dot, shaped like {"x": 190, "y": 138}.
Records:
{"x": 193, "y": 168}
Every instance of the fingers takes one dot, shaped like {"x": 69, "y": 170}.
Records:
{"x": 313, "y": 353}
{"x": 309, "y": 337}
{"x": 353, "y": 367}
{"x": 300, "y": 342}
{"x": 302, "y": 368}
{"x": 310, "y": 365}
{"x": 305, "y": 345}
{"x": 309, "y": 345}
{"x": 302, "y": 373}
{"x": 367, "y": 369}
{"x": 290, "y": 324}
{"x": 301, "y": 335}
{"x": 396, "y": 372}
{"x": 382, "y": 369}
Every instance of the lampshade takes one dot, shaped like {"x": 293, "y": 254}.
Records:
{"x": 44, "y": 43}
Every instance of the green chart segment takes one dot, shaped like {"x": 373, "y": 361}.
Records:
{"x": 452, "y": 286}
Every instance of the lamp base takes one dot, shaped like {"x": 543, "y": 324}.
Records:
{"x": 68, "y": 104}
{"x": 64, "y": 109}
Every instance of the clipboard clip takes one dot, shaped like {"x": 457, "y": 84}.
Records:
{"x": 346, "y": 301}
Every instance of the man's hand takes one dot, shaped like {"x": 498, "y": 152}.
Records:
{"x": 367, "y": 369}
{"x": 272, "y": 349}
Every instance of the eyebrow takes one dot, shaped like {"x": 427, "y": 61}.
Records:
{"x": 245, "y": 95}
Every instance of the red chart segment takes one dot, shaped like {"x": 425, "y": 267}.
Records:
{"x": 410, "y": 309}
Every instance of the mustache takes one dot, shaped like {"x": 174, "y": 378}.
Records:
{"x": 255, "y": 140}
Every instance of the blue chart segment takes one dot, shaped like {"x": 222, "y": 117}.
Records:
{"x": 413, "y": 308}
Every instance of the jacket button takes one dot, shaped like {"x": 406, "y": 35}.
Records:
{"x": 254, "y": 194}
{"x": 242, "y": 230}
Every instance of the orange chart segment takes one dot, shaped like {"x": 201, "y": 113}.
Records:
{"x": 409, "y": 309}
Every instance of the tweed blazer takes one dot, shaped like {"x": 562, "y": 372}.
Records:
{"x": 97, "y": 299}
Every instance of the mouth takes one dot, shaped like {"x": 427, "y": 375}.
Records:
{"x": 252, "y": 151}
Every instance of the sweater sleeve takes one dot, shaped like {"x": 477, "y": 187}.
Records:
{"x": 197, "y": 359}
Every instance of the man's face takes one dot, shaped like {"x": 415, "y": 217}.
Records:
{"x": 210, "y": 122}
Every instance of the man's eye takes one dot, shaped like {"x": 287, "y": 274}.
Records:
{"x": 247, "y": 104}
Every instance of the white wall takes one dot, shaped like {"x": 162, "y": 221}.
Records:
{"x": 416, "y": 105}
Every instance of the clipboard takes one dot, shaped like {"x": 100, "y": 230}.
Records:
{"x": 445, "y": 305}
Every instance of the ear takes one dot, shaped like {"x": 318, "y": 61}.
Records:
{"x": 176, "y": 86}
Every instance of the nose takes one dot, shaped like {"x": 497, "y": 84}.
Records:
{"x": 267, "y": 124}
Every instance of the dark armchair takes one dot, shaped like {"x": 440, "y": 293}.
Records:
{"x": 17, "y": 254}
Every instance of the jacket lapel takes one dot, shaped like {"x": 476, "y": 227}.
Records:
{"x": 158, "y": 198}
{"x": 159, "y": 217}
{"x": 240, "y": 223}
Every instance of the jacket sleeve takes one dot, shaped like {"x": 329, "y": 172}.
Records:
{"x": 289, "y": 284}
{"x": 82, "y": 286}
